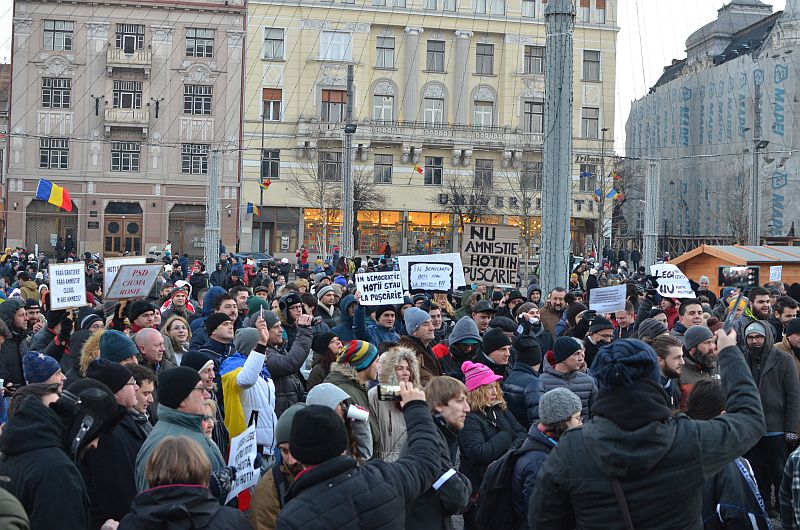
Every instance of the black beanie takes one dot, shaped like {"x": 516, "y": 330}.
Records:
{"x": 793, "y": 327}
{"x": 114, "y": 375}
{"x": 528, "y": 350}
{"x": 564, "y": 348}
{"x": 175, "y": 385}
{"x": 494, "y": 339}
{"x": 138, "y": 308}
{"x": 381, "y": 309}
{"x": 55, "y": 316}
{"x": 214, "y": 320}
{"x": 599, "y": 324}
{"x": 318, "y": 435}
{"x": 321, "y": 342}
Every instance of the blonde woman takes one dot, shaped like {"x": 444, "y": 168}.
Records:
{"x": 177, "y": 337}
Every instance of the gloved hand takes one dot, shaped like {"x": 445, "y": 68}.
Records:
{"x": 791, "y": 437}
{"x": 66, "y": 331}
{"x": 258, "y": 461}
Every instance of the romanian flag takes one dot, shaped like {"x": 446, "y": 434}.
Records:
{"x": 252, "y": 208}
{"x": 615, "y": 176}
{"x": 611, "y": 194}
{"x": 264, "y": 184}
{"x": 55, "y": 195}
{"x": 418, "y": 169}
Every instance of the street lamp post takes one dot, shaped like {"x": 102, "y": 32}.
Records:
{"x": 600, "y": 238}
{"x": 754, "y": 228}
{"x": 261, "y": 187}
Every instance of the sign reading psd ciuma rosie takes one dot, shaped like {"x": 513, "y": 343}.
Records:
{"x": 489, "y": 253}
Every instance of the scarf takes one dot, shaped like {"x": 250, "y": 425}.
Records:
{"x": 634, "y": 406}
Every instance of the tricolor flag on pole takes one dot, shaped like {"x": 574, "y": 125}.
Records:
{"x": 264, "y": 184}
{"x": 55, "y": 195}
{"x": 418, "y": 169}
{"x": 253, "y": 209}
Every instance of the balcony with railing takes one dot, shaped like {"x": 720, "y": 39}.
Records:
{"x": 137, "y": 59}
{"x": 128, "y": 118}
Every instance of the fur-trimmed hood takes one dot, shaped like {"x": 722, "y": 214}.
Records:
{"x": 388, "y": 361}
{"x": 345, "y": 370}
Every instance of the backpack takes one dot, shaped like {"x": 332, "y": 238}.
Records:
{"x": 495, "y": 508}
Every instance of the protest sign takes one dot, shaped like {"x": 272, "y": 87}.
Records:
{"x": 242, "y": 457}
{"x": 67, "y": 285}
{"x": 436, "y": 277}
{"x": 672, "y": 283}
{"x": 452, "y": 258}
{"x": 379, "y": 288}
{"x": 490, "y": 254}
{"x": 607, "y": 299}
{"x": 133, "y": 281}
{"x": 112, "y": 265}
{"x": 775, "y": 273}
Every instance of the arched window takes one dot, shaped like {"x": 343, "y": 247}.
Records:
{"x": 434, "y": 104}
{"x": 484, "y": 100}
{"x": 383, "y": 101}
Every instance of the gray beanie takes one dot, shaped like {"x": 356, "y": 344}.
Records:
{"x": 703, "y": 279}
{"x": 269, "y": 317}
{"x": 324, "y": 290}
{"x": 651, "y": 328}
{"x": 245, "y": 340}
{"x": 327, "y": 395}
{"x": 755, "y": 327}
{"x": 697, "y": 334}
{"x": 414, "y": 318}
{"x": 465, "y": 329}
{"x": 558, "y": 405}
{"x": 284, "y": 426}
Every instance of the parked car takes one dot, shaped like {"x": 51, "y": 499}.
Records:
{"x": 258, "y": 257}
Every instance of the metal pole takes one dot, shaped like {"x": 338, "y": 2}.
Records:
{"x": 601, "y": 240}
{"x": 347, "y": 173}
{"x": 651, "y": 215}
{"x": 556, "y": 181}
{"x": 212, "y": 210}
{"x": 260, "y": 188}
{"x": 754, "y": 232}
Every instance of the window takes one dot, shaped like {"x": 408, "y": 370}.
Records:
{"x": 382, "y": 107}
{"x": 532, "y": 116}
{"x": 483, "y": 173}
{"x": 399, "y": 3}
{"x": 498, "y": 7}
{"x": 435, "y": 56}
{"x": 601, "y": 11}
{"x": 449, "y": 5}
{"x": 194, "y": 159}
{"x": 270, "y": 164}
{"x": 125, "y": 156}
{"x": 483, "y": 114}
{"x": 588, "y": 180}
{"x": 273, "y": 44}
{"x": 199, "y": 42}
{"x": 127, "y": 95}
{"x": 433, "y": 110}
{"x": 335, "y": 46}
{"x": 583, "y": 11}
{"x": 379, "y": 3}
{"x": 590, "y": 122}
{"x": 479, "y": 6}
{"x": 529, "y": 8}
{"x": 383, "y": 169}
{"x": 333, "y": 105}
{"x": 484, "y": 59}
{"x": 54, "y": 153}
{"x": 534, "y": 60}
{"x": 430, "y": 4}
{"x": 129, "y": 38}
{"x": 531, "y": 176}
{"x": 591, "y": 65}
{"x": 272, "y": 98}
{"x": 197, "y": 99}
{"x": 58, "y": 35}
{"x": 330, "y": 165}
{"x": 385, "y": 51}
{"x": 56, "y": 92}
{"x": 433, "y": 170}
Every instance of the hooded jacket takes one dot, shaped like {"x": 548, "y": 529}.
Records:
{"x": 521, "y": 392}
{"x": 391, "y": 422}
{"x": 579, "y": 383}
{"x": 219, "y": 275}
{"x": 429, "y": 365}
{"x": 198, "y": 325}
{"x": 14, "y": 348}
{"x": 661, "y": 460}
{"x": 345, "y": 330}
{"x": 526, "y": 471}
{"x": 344, "y": 377}
{"x": 464, "y": 310}
{"x": 181, "y": 506}
{"x": 39, "y": 470}
{"x": 285, "y": 370}
{"x": 370, "y": 331}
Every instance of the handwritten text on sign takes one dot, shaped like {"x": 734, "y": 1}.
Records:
{"x": 242, "y": 457}
{"x": 133, "y": 281}
{"x": 111, "y": 267}
{"x": 490, "y": 254}
{"x": 672, "y": 283}
{"x": 67, "y": 285}
{"x": 380, "y": 288}
{"x": 437, "y": 277}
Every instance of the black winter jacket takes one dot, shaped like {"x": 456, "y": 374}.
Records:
{"x": 14, "y": 348}
{"x": 339, "y": 494}
{"x": 485, "y": 437}
{"x": 521, "y": 392}
{"x": 579, "y": 383}
{"x": 526, "y": 471}
{"x": 43, "y": 343}
{"x": 729, "y": 500}
{"x": 285, "y": 370}
{"x": 176, "y": 507}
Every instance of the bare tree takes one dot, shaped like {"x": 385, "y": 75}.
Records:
{"x": 465, "y": 196}
{"x": 522, "y": 185}
{"x": 319, "y": 192}
{"x": 367, "y": 195}
{"x": 730, "y": 190}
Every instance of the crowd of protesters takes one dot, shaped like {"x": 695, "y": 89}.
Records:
{"x": 120, "y": 414}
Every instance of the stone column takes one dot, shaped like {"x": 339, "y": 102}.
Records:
{"x": 460, "y": 89}
{"x": 411, "y": 88}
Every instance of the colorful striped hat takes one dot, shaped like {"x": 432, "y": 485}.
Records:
{"x": 359, "y": 354}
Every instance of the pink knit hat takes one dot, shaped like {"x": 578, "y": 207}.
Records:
{"x": 477, "y": 374}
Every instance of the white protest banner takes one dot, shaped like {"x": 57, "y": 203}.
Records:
{"x": 775, "y": 273}
{"x": 242, "y": 457}
{"x": 452, "y": 258}
{"x": 112, "y": 265}
{"x": 490, "y": 253}
{"x": 67, "y": 285}
{"x": 133, "y": 281}
{"x": 379, "y": 288}
{"x": 436, "y": 277}
{"x": 607, "y": 299}
{"x": 672, "y": 283}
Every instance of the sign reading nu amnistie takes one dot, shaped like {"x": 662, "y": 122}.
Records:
{"x": 490, "y": 254}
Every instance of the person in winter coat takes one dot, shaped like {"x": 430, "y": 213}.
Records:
{"x": 634, "y": 438}
{"x": 670, "y": 365}
{"x": 326, "y": 308}
{"x": 177, "y": 473}
{"x": 326, "y": 347}
{"x": 489, "y": 429}
{"x": 395, "y": 365}
{"x": 700, "y": 359}
{"x": 729, "y": 497}
{"x": 219, "y": 275}
{"x": 463, "y": 343}
{"x": 284, "y": 365}
{"x": 559, "y": 411}
{"x": 212, "y": 301}
{"x": 359, "y": 434}
{"x": 791, "y": 341}
{"x": 449, "y": 495}
{"x": 521, "y": 388}
{"x": 569, "y": 358}
{"x": 420, "y": 340}
{"x": 496, "y": 352}
{"x": 346, "y": 329}
{"x": 27, "y": 286}
{"x": 375, "y": 331}
{"x": 12, "y": 312}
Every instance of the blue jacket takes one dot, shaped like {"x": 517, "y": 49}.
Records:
{"x": 345, "y": 330}
{"x": 198, "y": 325}
{"x": 521, "y": 391}
{"x": 526, "y": 470}
{"x": 370, "y": 331}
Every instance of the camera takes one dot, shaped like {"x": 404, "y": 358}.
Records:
{"x": 389, "y": 393}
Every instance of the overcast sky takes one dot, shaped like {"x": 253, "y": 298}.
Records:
{"x": 653, "y": 32}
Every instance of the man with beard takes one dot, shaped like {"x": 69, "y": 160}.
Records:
{"x": 779, "y": 388}
{"x": 670, "y": 362}
{"x": 700, "y": 358}
{"x": 758, "y": 308}
{"x": 553, "y": 310}
{"x": 791, "y": 341}
{"x": 783, "y": 311}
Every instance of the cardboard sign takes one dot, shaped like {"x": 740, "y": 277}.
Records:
{"x": 242, "y": 457}
{"x": 133, "y": 281}
{"x": 436, "y": 277}
{"x": 67, "y": 285}
{"x": 490, "y": 254}
{"x": 112, "y": 265}
{"x": 378, "y": 288}
{"x": 672, "y": 283}
{"x": 452, "y": 258}
{"x": 607, "y": 299}
{"x": 775, "y": 273}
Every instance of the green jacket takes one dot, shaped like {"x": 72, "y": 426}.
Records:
{"x": 344, "y": 376}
